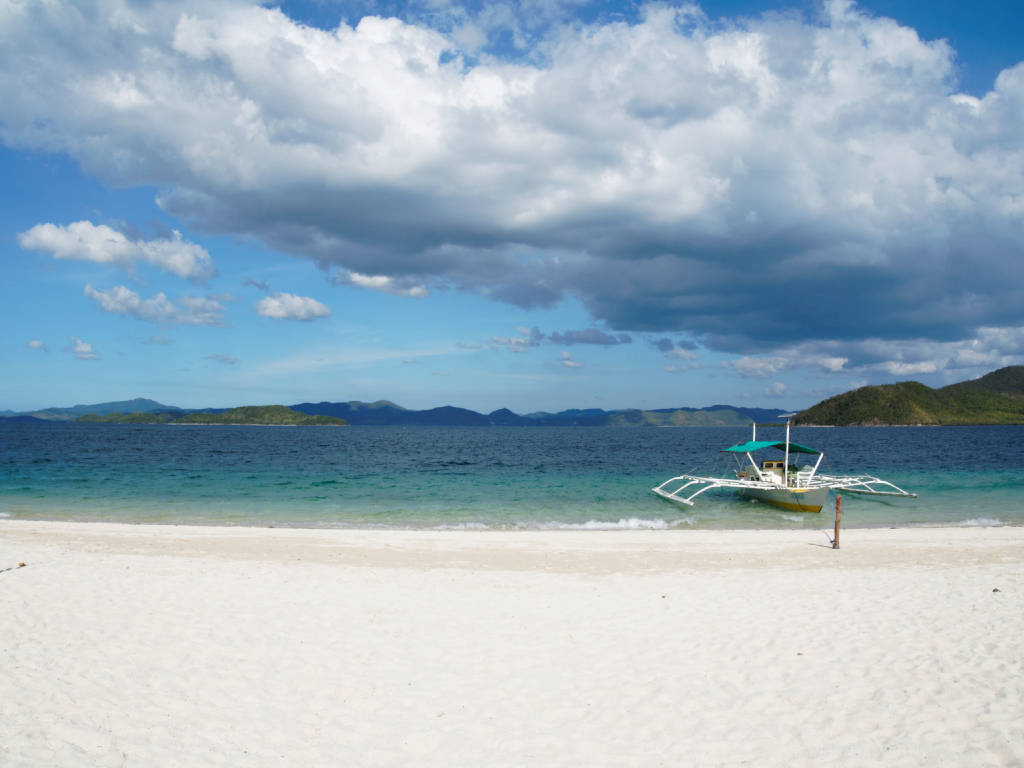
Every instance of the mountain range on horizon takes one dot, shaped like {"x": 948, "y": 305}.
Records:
{"x": 995, "y": 398}
{"x": 385, "y": 412}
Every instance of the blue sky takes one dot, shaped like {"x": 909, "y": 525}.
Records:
{"x": 534, "y": 205}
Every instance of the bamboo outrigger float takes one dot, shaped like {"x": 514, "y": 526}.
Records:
{"x": 776, "y": 481}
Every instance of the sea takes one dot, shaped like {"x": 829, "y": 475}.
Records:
{"x": 486, "y": 478}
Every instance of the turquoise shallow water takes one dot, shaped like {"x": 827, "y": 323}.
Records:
{"x": 480, "y": 477}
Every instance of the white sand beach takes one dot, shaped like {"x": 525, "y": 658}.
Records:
{"x": 170, "y": 646}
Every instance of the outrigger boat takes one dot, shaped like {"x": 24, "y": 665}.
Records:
{"x": 777, "y": 482}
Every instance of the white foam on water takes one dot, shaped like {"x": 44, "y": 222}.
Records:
{"x": 625, "y": 524}
{"x": 981, "y": 522}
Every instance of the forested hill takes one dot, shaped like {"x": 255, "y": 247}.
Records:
{"x": 996, "y": 398}
{"x": 255, "y": 415}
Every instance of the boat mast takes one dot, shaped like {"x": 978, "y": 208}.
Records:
{"x": 785, "y": 467}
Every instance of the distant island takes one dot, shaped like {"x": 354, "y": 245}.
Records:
{"x": 249, "y": 415}
{"x": 996, "y": 398}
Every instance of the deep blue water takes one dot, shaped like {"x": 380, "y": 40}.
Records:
{"x": 493, "y": 477}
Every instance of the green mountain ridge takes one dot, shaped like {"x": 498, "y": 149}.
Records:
{"x": 996, "y": 398}
{"x": 248, "y": 415}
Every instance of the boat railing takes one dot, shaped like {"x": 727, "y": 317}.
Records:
{"x": 803, "y": 478}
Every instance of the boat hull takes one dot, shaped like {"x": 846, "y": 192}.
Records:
{"x": 794, "y": 499}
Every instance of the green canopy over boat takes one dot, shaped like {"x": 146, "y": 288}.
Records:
{"x": 756, "y": 445}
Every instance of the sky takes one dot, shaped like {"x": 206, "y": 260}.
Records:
{"x": 533, "y": 204}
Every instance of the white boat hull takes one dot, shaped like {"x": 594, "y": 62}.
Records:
{"x": 793, "y": 499}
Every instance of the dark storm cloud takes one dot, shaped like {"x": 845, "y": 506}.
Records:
{"x": 590, "y": 336}
{"x": 755, "y": 186}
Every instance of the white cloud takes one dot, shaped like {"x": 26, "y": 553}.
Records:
{"x": 382, "y": 283}
{"x": 990, "y": 348}
{"x": 36, "y": 344}
{"x": 680, "y": 353}
{"x": 529, "y": 337}
{"x": 288, "y": 306}
{"x": 834, "y": 364}
{"x": 121, "y": 300}
{"x": 881, "y": 359}
{"x": 759, "y": 366}
{"x": 898, "y": 368}
{"x": 82, "y": 350}
{"x": 568, "y": 362}
{"x": 633, "y": 165}
{"x": 201, "y": 310}
{"x": 676, "y": 368}
{"x": 776, "y": 389}
{"x": 85, "y": 241}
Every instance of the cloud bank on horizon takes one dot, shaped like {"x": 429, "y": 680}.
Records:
{"x": 790, "y": 191}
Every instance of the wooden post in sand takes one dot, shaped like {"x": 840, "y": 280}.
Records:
{"x": 839, "y": 516}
